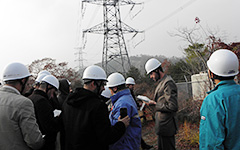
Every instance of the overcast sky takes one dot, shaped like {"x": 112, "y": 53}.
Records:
{"x": 36, "y": 29}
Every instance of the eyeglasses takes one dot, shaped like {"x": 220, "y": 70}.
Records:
{"x": 101, "y": 83}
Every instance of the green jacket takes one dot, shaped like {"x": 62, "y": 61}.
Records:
{"x": 220, "y": 117}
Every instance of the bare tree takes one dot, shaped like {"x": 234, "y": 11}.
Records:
{"x": 59, "y": 70}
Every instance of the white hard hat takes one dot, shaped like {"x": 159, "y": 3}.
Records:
{"x": 44, "y": 72}
{"x": 130, "y": 80}
{"x": 115, "y": 79}
{"x": 106, "y": 93}
{"x": 50, "y": 79}
{"x": 15, "y": 71}
{"x": 151, "y": 65}
{"x": 40, "y": 77}
{"x": 223, "y": 63}
{"x": 94, "y": 73}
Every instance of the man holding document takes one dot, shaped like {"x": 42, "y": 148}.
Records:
{"x": 165, "y": 99}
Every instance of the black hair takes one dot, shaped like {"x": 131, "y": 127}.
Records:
{"x": 160, "y": 68}
{"x": 87, "y": 81}
{"x": 43, "y": 85}
{"x": 119, "y": 87}
{"x": 223, "y": 78}
{"x": 12, "y": 82}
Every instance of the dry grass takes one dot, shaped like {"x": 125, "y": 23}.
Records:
{"x": 187, "y": 137}
{"x": 188, "y": 118}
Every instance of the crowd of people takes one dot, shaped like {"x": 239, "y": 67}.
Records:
{"x": 46, "y": 114}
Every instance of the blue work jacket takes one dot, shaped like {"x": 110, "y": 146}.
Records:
{"x": 132, "y": 138}
{"x": 220, "y": 117}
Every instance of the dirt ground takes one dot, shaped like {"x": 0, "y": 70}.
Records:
{"x": 149, "y": 135}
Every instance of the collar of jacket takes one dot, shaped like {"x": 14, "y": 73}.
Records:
{"x": 116, "y": 96}
{"x": 40, "y": 92}
{"x": 10, "y": 89}
{"x": 81, "y": 95}
{"x": 222, "y": 83}
{"x": 164, "y": 77}
{"x": 64, "y": 86}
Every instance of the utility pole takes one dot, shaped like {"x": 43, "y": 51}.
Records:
{"x": 114, "y": 47}
{"x": 79, "y": 59}
{"x": 79, "y": 46}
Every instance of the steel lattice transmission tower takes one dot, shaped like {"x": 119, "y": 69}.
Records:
{"x": 114, "y": 47}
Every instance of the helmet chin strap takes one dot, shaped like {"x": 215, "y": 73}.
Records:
{"x": 98, "y": 86}
{"x": 23, "y": 84}
{"x": 48, "y": 89}
{"x": 157, "y": 72}
{"x": 212, "y": 78}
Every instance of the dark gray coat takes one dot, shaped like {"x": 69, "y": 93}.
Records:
{"x": 166, "y": 97}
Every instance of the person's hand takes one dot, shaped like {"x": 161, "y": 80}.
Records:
{"x": 151, "y": 102}
{"x": 125, "y": 120}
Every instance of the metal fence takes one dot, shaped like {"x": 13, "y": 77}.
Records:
{"x": 184, "y": 90}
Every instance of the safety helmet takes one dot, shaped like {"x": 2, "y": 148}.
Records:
{"x": 115, "y": 79}
{"x": 40, "y": 77}
{"x": 94, "y": 73}
{"x": 44, "y": 72}
{"x": 50, "y": 79}
{"x": 106, "y": 93}
{"x": 151, "y": 65}
{"x": 15, "y": 71}
{"x": 223, "y": 63}
{"x": 130, "y": 80}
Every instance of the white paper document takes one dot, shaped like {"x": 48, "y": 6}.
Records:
{"x": 144, "y": 98}
{"x": 57, "y": 112}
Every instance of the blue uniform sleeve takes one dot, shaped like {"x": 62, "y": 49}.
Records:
{"x": 212, "y": 124}
{"x": 115, "y": 113}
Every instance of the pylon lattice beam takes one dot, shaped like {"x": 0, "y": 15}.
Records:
{"x": 110, "y": 2}
{"x": 114, "y": 47}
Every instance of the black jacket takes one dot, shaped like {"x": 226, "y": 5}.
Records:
{"x": 86, "y": 122}
{"x": 64, "y": 91}
{"x": 48, "y": 124}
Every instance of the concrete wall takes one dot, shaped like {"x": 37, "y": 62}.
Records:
{"x": 200, "y": 85}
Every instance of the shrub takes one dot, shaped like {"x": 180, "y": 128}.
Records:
{"x": 188, "y": 136}
{"x": 189, "y": 111}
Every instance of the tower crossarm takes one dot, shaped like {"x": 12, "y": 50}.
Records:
{"x": 97, "y": 29}
{"x": 127, "y": 29}
{"x": 111, "y": 2}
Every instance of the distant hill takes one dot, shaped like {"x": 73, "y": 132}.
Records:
{"x": 139, "y": 62}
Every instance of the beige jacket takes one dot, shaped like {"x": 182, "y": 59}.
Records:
{"x": 166, "y": 97}
{"x": 18, "y": 127}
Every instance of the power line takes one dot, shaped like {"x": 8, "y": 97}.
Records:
{"x": 171, "y": 14}
{"x": 94, "y": 16}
